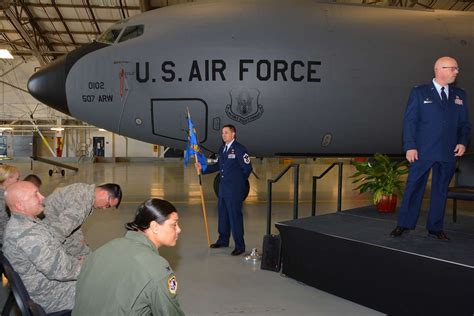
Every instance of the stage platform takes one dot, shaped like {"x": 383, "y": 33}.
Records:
{"x": 351, "y": 254}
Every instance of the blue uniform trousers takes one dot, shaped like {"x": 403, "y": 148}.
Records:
{"x": 442, "y": 173}
{"x": 231, "y": 219}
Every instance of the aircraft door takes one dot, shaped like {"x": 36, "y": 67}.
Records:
{"x": 169, "y": 117}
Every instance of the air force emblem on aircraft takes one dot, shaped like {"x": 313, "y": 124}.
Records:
{"x": 244, "y": 106}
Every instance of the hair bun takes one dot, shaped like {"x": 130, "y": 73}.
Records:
{"x": 132, "y": 226}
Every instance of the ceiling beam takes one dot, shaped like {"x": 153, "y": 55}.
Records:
{"x": 62, "y": 20}
{"x": 47, "y": 53}
{"x": 122, "y": 10}
{"x": 6, "y": 31}
{"x": 24, "y": 34}
{"x": 8, "y": 41}
{"x": 79, "y": 6}
{"x": 18, "y": 43}
{"x": 4, "y": 18}
{"x": 12, "y": 44}
{"x": 36, "y": 28}
{"x": 54, "y": 41}
{"x": 13, "y": 86}
{"x": 93, "y": 16}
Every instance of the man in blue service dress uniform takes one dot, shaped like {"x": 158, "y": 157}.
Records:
{"x": 234, "y": 167}
{"x": 436, "y": 130}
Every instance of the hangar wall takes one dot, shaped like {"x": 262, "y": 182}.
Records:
{"x": 80, "y": 142}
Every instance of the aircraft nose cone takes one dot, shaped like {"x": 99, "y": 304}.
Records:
{"x": 48, "y": 85}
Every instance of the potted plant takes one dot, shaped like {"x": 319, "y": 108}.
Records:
{"x": 382, "y": 178}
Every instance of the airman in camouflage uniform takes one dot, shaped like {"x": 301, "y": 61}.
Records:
{"x": 67, "y": 208}
{"x": 48, "y": 272}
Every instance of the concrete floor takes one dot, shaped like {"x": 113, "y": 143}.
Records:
{"x": 211, "y": 281}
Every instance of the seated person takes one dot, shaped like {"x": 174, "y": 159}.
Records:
{"x": 33, "y": 178}
{"x": 8, "y": 175}
{"x": 127, "y": 276}
{"x": 67, "y": 208}
{"x": 48, "y": 272}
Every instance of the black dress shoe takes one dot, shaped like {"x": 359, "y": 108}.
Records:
{"x": 237, "y": 252}
{"x": 216, "y": 245}
{"x": 438, "y": 235}
{"x": 398, "y": 231}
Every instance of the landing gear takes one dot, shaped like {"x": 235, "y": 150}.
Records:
{"x": 57, "y": 170}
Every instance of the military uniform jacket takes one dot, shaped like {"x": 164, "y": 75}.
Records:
{"x": 65, "y": 211}
{"x": 234, "y": 167}
{"x": 434, "y": 128}
{"x": 127, "y": 276}
{"x": 48, "y": 272}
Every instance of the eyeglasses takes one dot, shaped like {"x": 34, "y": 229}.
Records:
{"x": 452, "y": 68}
{"x": 109, "y": 203}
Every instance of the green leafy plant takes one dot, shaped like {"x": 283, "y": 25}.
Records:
{"x": 381, "y": 176}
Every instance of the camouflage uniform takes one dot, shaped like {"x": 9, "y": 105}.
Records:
{"x": 65, "y": 211}
{"x": 127, "y": 276}
{"x": 3, "y": 213}
{"x": 48, "y": 272}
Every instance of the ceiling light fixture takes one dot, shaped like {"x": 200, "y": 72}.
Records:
{"x": 5, "y": 54}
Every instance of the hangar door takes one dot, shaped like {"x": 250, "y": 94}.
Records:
{"x": 169, "y": 118}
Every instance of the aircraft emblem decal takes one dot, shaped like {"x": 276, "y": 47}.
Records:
{"x": 242, "y": 104}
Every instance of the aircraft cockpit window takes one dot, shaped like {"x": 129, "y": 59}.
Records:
{"x": 131, "y": 32}
{"x": 109, "y": 36}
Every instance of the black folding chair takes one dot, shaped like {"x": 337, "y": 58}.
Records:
{"x": 17, "y": 287}
{"x": 36, "y": 309}
{"x": 463, "y": 188}
{"x": 25, "y": 304}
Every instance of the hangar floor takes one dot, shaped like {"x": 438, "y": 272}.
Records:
{"x": 211, "y": 281}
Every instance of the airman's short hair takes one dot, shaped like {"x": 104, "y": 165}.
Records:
{"x": 231, "y": 127}
{"x": 114, "y": 191}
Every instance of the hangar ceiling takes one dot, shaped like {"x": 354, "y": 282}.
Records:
{"x": 38, "y": 31}
{"x": 50, "y": 28}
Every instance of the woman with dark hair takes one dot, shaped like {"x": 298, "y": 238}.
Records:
{"x": 127, "y": 276}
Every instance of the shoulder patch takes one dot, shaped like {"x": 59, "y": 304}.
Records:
{"x": 246, "y": 158}
{"x": 172, "y": 285}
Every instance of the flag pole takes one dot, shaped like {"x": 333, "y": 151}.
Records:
{"x": 204, "y": 213}
{"x": 203, "y": 204}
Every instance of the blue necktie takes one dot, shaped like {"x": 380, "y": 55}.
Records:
{"x": 444, "y": 97}
{"x": 225, "y": 149}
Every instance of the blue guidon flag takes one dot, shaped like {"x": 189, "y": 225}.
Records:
{"x": 193, "y": 147}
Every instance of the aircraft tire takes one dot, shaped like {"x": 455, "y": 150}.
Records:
{"x": 217, "y": 181}
{"x": 50, "y": 172}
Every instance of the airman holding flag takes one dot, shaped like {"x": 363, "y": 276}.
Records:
{"x": 234, "y": 167}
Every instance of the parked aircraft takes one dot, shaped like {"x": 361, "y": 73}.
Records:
{"x": 295, "y": 77}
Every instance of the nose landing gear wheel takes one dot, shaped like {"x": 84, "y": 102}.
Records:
{"x": 62, "y": 172}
